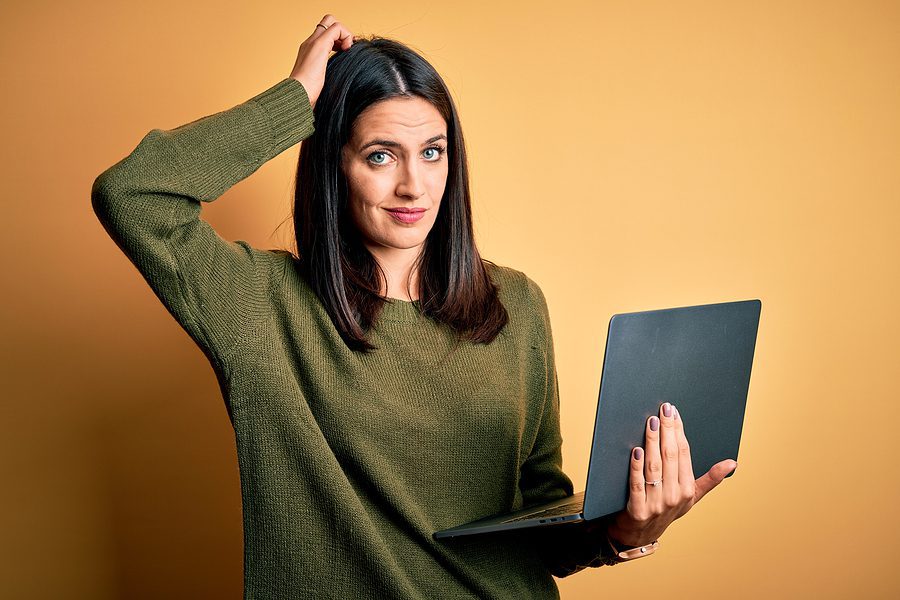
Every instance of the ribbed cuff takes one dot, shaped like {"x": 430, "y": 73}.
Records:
{"x": 289, "y": 111}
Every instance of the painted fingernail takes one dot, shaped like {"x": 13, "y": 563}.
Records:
{"x": 654, "y": 423}
{"x": 638, "y": 453}
{"x": 667, "y": 409}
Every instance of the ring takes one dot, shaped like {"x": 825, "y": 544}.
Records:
{"x": 654, "y": 483}
{"x": 322, "y": 26}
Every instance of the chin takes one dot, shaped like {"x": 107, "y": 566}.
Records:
{"x": 404, "y": 243}
{"x": 407, "y": 244}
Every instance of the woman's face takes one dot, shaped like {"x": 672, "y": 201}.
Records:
{"x": 396, "y": 170}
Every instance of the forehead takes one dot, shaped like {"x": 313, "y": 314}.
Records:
{"x": 401, "y": 117}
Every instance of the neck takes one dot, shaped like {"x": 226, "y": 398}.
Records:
{"x": 399, "y": 268}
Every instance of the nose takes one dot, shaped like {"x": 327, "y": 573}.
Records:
{"x": 411, "y": 180}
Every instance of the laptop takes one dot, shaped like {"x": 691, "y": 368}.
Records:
{"x": 696, "y": 357}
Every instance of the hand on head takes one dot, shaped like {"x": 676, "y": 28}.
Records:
{"x": 312, "y": 58}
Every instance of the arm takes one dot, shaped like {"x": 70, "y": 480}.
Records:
{"x": 149, "y": 203}
{"x": 566, "y": 549}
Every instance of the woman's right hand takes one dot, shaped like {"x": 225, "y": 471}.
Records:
{"x": 314, "y": 52}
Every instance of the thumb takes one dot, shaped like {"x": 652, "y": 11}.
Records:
{"x": 713, "y": 477}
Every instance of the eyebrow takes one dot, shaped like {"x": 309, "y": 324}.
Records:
{"x": 393, "y": 144}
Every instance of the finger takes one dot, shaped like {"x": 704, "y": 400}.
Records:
{"x": 341, "y": 38}
{"x": 345, "y": 40}
{"x": 668, "y": 445}
{"x": 323, "y": 24}
{"x": 336, "y": 35}
{"x": 712, "y": 478}
{"x": 685, "y": 468}
{"x": 653, "y": 464}
{"x": 637, "y": 497}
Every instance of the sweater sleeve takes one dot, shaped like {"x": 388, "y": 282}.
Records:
{"x": 149, "y": 203}
{"x": 566, "y": 549}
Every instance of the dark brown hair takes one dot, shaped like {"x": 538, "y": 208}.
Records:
{"x": 454, "y": 285}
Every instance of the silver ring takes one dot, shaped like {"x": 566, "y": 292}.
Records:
{"x": 654, "y": 483}
{"x": 322, "y": 26}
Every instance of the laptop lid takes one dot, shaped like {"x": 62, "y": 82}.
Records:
{"x": 696, "y": 357}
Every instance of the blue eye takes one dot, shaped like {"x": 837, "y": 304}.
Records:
{"x": 441, "y": 150}
{"x": 374, "y": 153}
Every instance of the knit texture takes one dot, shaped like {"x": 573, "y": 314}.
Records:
{"x": 348, "y": 462}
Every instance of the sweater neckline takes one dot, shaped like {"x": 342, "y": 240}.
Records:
{"x": 395, "y": 309}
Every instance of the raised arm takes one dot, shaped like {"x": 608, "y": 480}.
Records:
{"x": 149, "y": 203}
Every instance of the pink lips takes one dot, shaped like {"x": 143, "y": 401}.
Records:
{"x": 406, "y": 215}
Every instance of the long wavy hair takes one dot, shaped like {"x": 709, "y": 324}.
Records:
{"x": 454, "y": 285}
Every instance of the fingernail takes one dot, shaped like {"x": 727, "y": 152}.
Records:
{"x": 654, "y": 423}
{"x": 677, "y": 416}
{"x": 667, "y": 409}
{"x": 638, "y": 453}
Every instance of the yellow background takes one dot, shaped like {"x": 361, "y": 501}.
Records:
{"x": 625, "y": 155}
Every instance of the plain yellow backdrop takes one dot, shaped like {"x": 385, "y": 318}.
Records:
{"x": 625, "y": 155}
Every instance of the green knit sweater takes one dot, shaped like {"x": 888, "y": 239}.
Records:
{"x": 348, "y": 462}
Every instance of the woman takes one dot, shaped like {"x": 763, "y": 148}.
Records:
{"x": 388, "y": 382}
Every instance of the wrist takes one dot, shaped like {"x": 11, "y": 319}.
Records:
{"x": 619, "y": 551}
{"x": 621, "y": 540}
{"x": 624, "y": 541}
{"x": 622, "y": 553}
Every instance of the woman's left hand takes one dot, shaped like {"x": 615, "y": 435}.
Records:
{"x": 652, "y": 508}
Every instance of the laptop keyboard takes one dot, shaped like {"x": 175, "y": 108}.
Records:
{"x": 569, "y": 508}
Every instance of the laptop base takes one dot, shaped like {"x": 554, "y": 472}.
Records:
{"x": 539, "y": 515}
